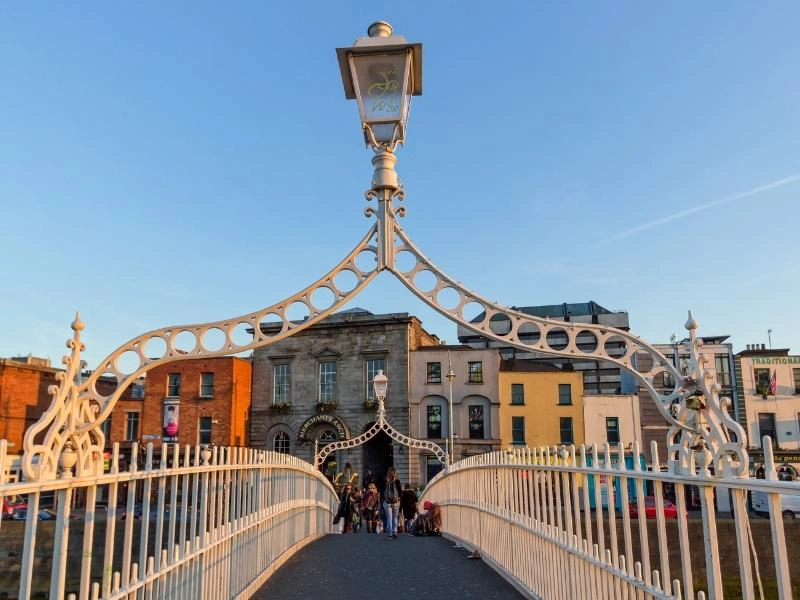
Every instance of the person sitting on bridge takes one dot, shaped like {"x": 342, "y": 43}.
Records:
{"x": 429, "y": 522}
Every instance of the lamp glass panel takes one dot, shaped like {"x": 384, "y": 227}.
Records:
{"x": 382, "y": 83}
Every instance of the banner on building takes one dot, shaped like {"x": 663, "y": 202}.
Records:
{"x": 171, "y": 419}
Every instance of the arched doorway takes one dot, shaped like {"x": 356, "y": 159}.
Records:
{"x": 377, "y": 455}
{"x": 330, "y": 467}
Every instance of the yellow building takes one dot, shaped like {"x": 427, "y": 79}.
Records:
{"x": 540, "y": 405}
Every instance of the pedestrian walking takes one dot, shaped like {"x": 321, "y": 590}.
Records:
{"x": 408, "y": 507}
{"x": 344, "y": 510}
{"x": 370, "y": 508}
{"x": 391, "y": 496}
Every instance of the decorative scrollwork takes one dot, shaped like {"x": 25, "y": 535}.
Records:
{"x": 77, "y": 410}
{"x": 559, "y": 338}
{"x": 381, "y": 425}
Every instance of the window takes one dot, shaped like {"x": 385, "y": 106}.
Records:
{"x": 174, "y": 385}
{"x": 206, "y": 385}
{"x": 612, "y": 430}
{"x": 796, "y": 379}
{"x": 434, "y": 372}
{"x": 373, "y": 366}
{"x": 723, "y": 370}
{"x": 475, "y": 372}
{"x": 131, "y": 426}
{"x": 327, "y": 436}
{"x": 105, "y": 427}
{"x": 476, "y": 422}
{"x": 327, "y": 382}
{"x": 137, "y": 391}
{"x": 566, "y": 430}
{"x": 281, "y": 383}
{"x": 766, "y": 426}
{"x": 204, "y": 430}
{"x": 565, "y": 393}
{"x": 435, "y": 421}
{"x": 517, "y": 393}
{"x": 761, "y": 378}
{"x": 281, "y": 442}
{"x": 518, "y": 430}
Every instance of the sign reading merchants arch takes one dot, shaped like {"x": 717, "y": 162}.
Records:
{"x": 316, "y": 420}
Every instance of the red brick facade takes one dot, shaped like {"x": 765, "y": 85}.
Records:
{"x": 225, "y": 408}
{"x": 24, "y": 398}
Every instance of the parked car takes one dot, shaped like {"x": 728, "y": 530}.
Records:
{"x": 45, "y": 514}
{"x": 137, "y": 512}
{"x": 10, "y": 505}
{"x": 790, "y": 505}
{"x": 670, "y": 510}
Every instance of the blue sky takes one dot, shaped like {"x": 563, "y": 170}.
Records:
{"x": 170, "y": 163}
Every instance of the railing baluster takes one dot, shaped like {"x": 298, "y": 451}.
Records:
{"x": 776, "y": 524}
{"x": 111, "y": 524}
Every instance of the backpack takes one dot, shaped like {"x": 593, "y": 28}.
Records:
{"x": 391, "y": 492}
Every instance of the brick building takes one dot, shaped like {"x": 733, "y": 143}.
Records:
{"x": 198, "y": 401}
{"x": 24, "y": 397}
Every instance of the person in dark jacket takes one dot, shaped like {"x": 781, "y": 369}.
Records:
{"x": 344, "y": 510}
{"x": 391, "y": 502}
{"x": 408, "y": 506}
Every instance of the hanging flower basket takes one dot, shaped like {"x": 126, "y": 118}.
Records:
{"x": 280, "y": 407}
{"x": 370, "y": 405}
{"x": 326, "y": 406}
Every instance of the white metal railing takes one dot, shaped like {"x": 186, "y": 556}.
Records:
{"x": 207, "y": 523}
{"x": 537, "y": 516}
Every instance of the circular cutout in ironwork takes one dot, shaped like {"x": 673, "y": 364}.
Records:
{"x": 405, "y": 261}
{"x": 154, "y": 348}
{"x": 322, "y": 298}
{"x": 128, "y": 362}
{"x": 345, "y": 280}
{"x": 528, "y": 333}
{"x": 473, "y": 312}
{"x": 106, "y": 384}
{"x": 500, "y": 324}
{"x": 367, "y": 261}
{"x": 424, "y": 280}
{"x": 615, "y": 347}
{"x": 448, "y": 298}
{"x": 297, "y": 312}
{"x": 242, "y": 334}
{"x": 184, "y": 342}
{"x": 644, "y": 362}
{"x": 586, "y": 341}
{"x": 214, "y": 339}
{"x": 270, "y": 324}
{"x": 557, "y": 339}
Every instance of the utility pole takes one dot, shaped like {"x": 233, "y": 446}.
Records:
{"x": 450, "y": 377}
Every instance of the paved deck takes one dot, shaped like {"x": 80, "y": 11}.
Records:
{"x": 365, "y": 565}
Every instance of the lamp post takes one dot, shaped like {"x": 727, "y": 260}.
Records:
{"x": 450, "y": 377}
{"x": 381, "y": 72}
{"x": 380, "y": 383}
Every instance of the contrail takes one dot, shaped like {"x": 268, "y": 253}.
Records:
{"x": 699, "y": 207}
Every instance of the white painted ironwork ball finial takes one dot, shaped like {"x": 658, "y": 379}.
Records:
{"x": 77, "y": 324}
{"x": 379, "y": 29}
{"x": 691, "y": 324}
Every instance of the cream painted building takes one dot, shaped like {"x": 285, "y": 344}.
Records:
{"x": 769, "y": 382}
{"x": 612, "y": 419}
{"x": 476, "y": 425}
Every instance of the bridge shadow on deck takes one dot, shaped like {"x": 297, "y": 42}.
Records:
{"x": 365, "y": 565}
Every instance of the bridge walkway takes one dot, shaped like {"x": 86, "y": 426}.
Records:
{"x": 363, "y": 565}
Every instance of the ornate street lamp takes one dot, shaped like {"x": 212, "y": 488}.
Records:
{"x": 380, "y": 383}
{"x": 381, "y": 72}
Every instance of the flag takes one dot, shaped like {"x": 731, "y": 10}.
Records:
{"x": 773, "y": 383}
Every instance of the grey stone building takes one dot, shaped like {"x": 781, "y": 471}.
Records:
{"x": 316, "y": 386}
